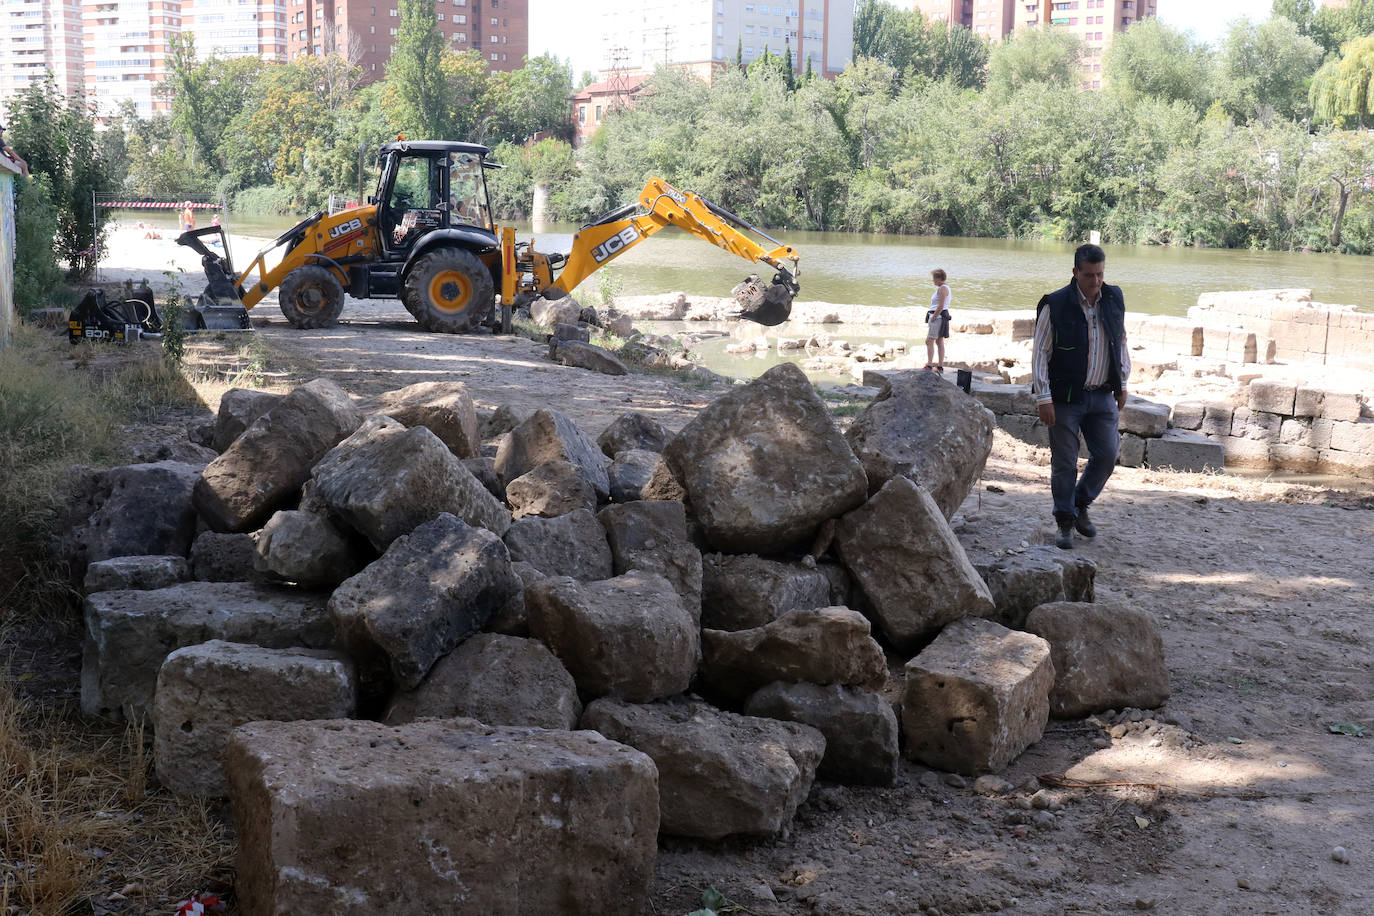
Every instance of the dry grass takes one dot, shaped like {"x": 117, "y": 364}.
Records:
{"x": 81, "y": 819}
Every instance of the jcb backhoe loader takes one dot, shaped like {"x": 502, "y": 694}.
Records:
{"x": 428, "y": 239}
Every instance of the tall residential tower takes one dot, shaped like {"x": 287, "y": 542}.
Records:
{"x": 38, "y": 37}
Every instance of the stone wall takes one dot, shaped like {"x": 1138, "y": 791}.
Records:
{"x": 9, "y": 318}
{"x": 1297, "y": 329}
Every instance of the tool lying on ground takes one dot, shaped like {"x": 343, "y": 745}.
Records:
{"x": 427, "y": 238}
{"x": 123, "y": 320}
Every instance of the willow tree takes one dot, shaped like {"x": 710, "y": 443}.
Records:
{"x": 1340, "y": 91}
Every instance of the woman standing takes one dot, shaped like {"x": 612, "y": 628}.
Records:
{"x": 937, "y": 321}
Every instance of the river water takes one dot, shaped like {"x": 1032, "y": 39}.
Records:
{"x": 895, "y": 269}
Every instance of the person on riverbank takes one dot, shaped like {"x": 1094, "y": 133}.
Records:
{"x": 188, "y": 218}
{"x": 1080, "y": 364}
{"x": 937, "y": 321}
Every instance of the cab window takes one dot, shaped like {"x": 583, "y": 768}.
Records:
{"x": 467, "y": 197}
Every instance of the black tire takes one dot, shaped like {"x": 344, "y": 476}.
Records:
{"x": 449, "y": 291}
{"x": 311, "y": 297}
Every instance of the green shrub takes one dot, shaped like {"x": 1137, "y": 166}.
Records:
{"x": 264, "y": 201}
{"x": 36, "y": 274}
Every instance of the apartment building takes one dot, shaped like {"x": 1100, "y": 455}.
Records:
{"x": 237, "y": 28}
{"x": 127, "y": 44}
{"x": 1094, "y": 22}
{"x": 637, "y": 36}
{"x": 38, "y": 37}
{"x": 366, "y": 30}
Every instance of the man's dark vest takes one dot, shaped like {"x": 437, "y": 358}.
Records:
{"x": 1069, "y": 340}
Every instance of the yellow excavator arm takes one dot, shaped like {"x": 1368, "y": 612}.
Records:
{"x": 596, "y": 245}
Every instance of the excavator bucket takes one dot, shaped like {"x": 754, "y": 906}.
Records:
{"x": 219, "y": 306}
{"x": 767, "y": 304}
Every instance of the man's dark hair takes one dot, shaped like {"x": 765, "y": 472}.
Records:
{"x": 1088, "y": 254}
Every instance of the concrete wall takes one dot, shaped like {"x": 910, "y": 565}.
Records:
{"x": 9, "y": 318}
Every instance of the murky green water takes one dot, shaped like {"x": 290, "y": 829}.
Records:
{"x": 983, "y": 273}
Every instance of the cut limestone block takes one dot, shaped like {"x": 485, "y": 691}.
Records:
{"x": 1272, "y": 396}
{"x": 629, "y": 637}
{"x": 911, "y": 567}
{"x": 1105, "y": 657}
{"x": 1130, "y": 452}
{"x": 205, "y": 691}
{"x": 719, "y": 774}
{"x": 130, "y": 633}
{"x": 744, "y": 591}
{"x": 976, "y": 697}
{"x": 136, "y": 572}
{"x": 1184, "y": 450}
{"x": 1144, "y": 418}
{"x": 859, "y": 726}
{"x": 439, "y": 816}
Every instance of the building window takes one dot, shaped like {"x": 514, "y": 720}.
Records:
{"x": 581, "y": 114}
{"x": 598, "y": 114}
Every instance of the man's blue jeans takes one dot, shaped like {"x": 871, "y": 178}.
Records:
{"x": 1095, "y": 415}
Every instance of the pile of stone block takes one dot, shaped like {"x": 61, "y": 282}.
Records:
{"x": 1293, "y": 328}
{"x": 1147, "y": 438}
{"x": 499, "y": 650}
{"x": 1288, "y": 425}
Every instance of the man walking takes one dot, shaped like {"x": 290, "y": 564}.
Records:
{"x": 1080, "y": 365}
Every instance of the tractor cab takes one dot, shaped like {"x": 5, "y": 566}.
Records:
{"x": 431, "y": 185}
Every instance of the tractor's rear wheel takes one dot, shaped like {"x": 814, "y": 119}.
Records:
{"x": 311, "y": 297}
{"x": 449, "y": 290}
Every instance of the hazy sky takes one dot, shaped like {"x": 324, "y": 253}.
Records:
{"x": 567, "y": 29}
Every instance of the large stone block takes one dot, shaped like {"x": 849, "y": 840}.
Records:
{"x": 444, "y": 408}
{"x": 1025, "y": 427}
{"x": 859, "y": 726}
{"x": 633, "y": 430}
{"x": 239, "y": 408}
{"x": 764, "y": 465}
{"x": 976, "y": 697}
{"x": 1144, "y": 418}
{"x": 1301, "y": 458}
{"x": 130, "y": 633}
{"x": 1130, "y": 452}
{"x": 1184, "y": 450}
{"x": 1216, "y": 420}
{"x": 631, "y": 472}
{"x": 548, "y": 435}
{"x": 628, "y": 637}
{"x": 719, "y": 774}
{"x": 217, "y": 557}
{"x": 139, "y": 510}
{"x": 1348, "y": 464}
{"x": 386, "y": 483}
{"x": 1021, "y": 582}
{"x": 135, "y": 573}
{"x": 432, "y": 589}
{"x": 205, "y": 691}
{"x": 263, "y": 469}
{"x": 439, "y": 816}
{"x": 550, "y": 489}
{"x": 1353, "y": 437}
{"x": 911, "y": 567}
{"x": 740, "y": 592}
{"x": 829, "y": 645}
{"x": 1187, "y": 415}
{"x": 1105, "y": 657}
{"x": 1004, "y": 399}
{"x": 570, "y": 545}
{"x": 925, "y": 429}
{"x": 308, "y": 548}
{"x": 651, "y": 535}
{"x": 1241, "y": 452}
{"x": 495, "y": 679}
{"x": 1273, "y": 396}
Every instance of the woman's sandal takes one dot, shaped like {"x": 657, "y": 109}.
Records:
{"x": 940, "y": 369}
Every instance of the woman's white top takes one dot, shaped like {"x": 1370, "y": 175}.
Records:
{"x": 935, "y": 298}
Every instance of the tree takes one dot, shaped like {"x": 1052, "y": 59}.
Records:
{"x": 531, "y": 100}
{"x": 1047, "y": 56}
{"x": 1341, "y": 90}
{"x": 1265, "y": 69}
{"x": 1299, "y": 12}
{"x": 1347, "y": 160}
{"x": 897, "y": 37}
{"x": 420, "y": 100}
{"x": 958, "y": 56}
{"x": 1333, "y": 26}
{"x": 57, "y": 138}
{"x": 1155, "y": 60}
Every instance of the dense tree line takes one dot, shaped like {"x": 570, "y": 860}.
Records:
{"x": 1260, "y": 142}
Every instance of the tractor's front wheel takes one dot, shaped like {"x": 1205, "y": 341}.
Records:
{"x": 449, "y": 290}
{"x": 311, "y": 297}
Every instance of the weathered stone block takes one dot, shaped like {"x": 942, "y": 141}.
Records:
{"x": 205, "y": 691}
{"x": 1105, "y": 657}
{"x": 239, "y": 408}
{"x": 859, "y": 726}
{"x": 911, "y": 567}
{"x": 764, "y": 465}
{"x": 631, "y": 472}
{"x": 1350, "y": 464}
{"x": 551, "y": 489}
{"x": 139, "y": 510}
{"x": 1246, "y": 453}
{"x": 135, "y": 573}
{"x": 217, "y": 557}
{"x": 432, "y": 589}
{"x": 1026, "y": 428}
{"x": 628, "y": 637}
{"x": 495, "y": 679}
{"x": 633, "y": 430}
{"x": 1273, "y": 396}
{"x": 1216, "y": 420}
{"x": 444, "y": 408}
{"x": 1131, "y": 451}
{"x": 1353, "y": 437}
{"x": 719, "y": 774}
{"x": 1021, "y": 582}
{"x": 1184, "y": 450}
{"x": 308, "y": 548}
{"x": 651, "y": 535}
{"x": 130, "y": 633}
{"x": 1144, "y": 418}
{"x": 1187, "y": 415}
{"x": 829, "y": 645}
{"x": 1301, "y": 458}
{"x": 1004, "y": 399}
{"x": 355, "y": 818}
{"x": 976, "y": 697}
{"x": 740, "y": 592}
{"x": 569, "y": 545}
{"x": 548, "y": 435}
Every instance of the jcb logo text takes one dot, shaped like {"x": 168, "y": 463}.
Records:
{"x": 613, "y": 245}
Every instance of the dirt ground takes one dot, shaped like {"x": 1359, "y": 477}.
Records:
{"x": 1236, "y": 798}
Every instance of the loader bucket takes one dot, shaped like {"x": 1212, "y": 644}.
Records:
{"x": 766, "y": 304}
{"x": 219, "y": 306}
